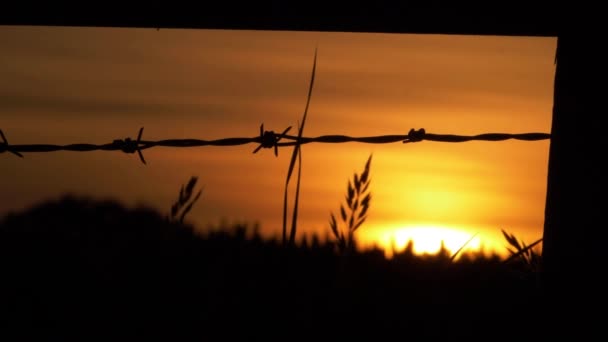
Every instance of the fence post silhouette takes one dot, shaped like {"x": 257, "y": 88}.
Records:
{"x": 573, "y": 253}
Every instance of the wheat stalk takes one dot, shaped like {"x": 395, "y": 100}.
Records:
{"x": 522, "y": 251}
{"x": 184, "y": 202}
{"x": 358, "y": 200}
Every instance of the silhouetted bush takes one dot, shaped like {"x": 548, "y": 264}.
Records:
{"x": 89, "y": 269}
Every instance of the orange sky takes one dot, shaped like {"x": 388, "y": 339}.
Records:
{"x": 94, "y": 85}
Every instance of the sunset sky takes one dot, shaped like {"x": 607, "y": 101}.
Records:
{"x": 94, "y": 85}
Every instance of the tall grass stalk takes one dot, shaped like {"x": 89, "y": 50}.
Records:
{"x": 184, "y": 202}
{"x": 523, "y": 252}
{"x": 357, "y": 201}
{"x": 453, "y": 257}
{"x": 295, "y": 154}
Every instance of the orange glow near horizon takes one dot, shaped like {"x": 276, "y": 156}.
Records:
{"x": 428, "y": 238}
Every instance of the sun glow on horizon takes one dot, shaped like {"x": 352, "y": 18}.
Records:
{"x": 427, "y": 239}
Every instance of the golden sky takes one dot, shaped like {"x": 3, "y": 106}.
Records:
{"x": 94, "y": 85}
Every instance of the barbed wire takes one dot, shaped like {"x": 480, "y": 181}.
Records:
{"x": 266, "y": 139}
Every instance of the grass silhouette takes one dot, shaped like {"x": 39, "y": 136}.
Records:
{"x": 184, "y": 202}
{"x": 78, "y": 268}
{"x": 357, "y": 201}
{"x": 296, "y": 155}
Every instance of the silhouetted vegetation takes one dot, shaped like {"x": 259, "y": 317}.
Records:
{"x": 88, "y": 269}
{"x": 184, "y": 202}
{"x": 357, "y": 201}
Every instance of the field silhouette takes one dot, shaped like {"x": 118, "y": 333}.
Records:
{"x": 88, "y": 269}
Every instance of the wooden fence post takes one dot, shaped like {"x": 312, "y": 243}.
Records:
{"x": 576, "y": 206}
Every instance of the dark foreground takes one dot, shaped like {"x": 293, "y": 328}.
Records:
{"x": 84, "y": 270}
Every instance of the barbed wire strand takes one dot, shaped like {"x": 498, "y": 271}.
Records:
{"x": 266, "y": 139}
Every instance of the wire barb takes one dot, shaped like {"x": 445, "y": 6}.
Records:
{"x": 269, "y": 139}
{"x": 129, "y": 146}
{"x": 5, "y": 147}
{"x": 415, "y": 135}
